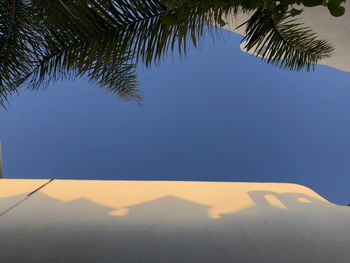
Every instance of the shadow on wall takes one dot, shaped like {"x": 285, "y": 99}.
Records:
{"x": 171, "y": 207}
{"x": 278, "y": 227}
{"x": 174, "y": 207}
{"x": 121, "y": 196}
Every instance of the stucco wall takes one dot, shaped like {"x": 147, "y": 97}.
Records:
{"x": 139, "y": 221}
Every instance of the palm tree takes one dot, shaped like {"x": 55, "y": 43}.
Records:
{"x": 19, "y": 42}
{"x": 42, "y": 40}
{"x": 284, "y": 42}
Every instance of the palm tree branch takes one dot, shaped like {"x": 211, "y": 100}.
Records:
{"x": 284, "y": 42}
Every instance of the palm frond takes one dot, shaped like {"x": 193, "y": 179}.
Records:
{"x": 19, "y": 41}
{"x": 106, "y": 50}
{"x": 284, "y": 42}
{"x": 42, "y": 41}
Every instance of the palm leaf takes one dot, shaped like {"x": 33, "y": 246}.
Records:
{"x": 284, "y": 42}
{"x": 104, "y": 39}
{"x": 19, "y": 41}
{"x": 106, "y": 50}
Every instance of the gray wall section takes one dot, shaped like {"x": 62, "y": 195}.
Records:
{"x": 55, "y": 226}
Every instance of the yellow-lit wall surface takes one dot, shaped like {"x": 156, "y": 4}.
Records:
{"x": 166, "y": 221}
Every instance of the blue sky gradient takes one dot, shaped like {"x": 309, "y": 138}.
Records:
{"x": 218, "y": 114}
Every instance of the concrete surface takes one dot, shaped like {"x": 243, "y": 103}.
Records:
{"x": 152, "y": 221}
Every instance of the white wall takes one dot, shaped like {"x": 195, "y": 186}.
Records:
{"x": 136, "y": 221}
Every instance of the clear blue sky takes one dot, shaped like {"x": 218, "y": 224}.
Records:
{"x": 217, "y": 115}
